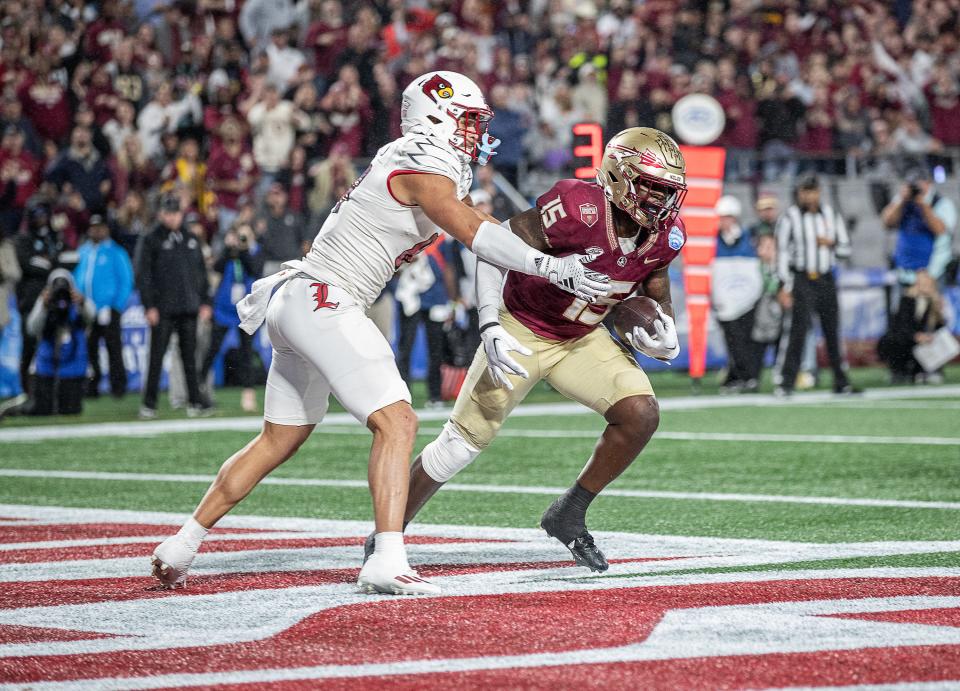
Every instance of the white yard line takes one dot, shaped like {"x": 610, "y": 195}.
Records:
{"x": 496, "y": 489}
{"x": 253, "y": 424}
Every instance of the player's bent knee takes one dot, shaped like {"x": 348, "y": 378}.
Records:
{"x": 284, "y": 440}
{"x": 447, "y": 455}
{"x": 639, "y": 414}
{"x": 395, "y": 421}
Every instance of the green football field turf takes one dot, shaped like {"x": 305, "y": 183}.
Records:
{"x": 857, "y": 456}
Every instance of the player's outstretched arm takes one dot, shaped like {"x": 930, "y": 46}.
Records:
{"x": 436, "y": 196}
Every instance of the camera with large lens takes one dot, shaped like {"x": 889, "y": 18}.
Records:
{"x": 914, "y": 190}
{"x": 60, "y": 297}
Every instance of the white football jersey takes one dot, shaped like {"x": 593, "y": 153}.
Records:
{"x": 369, "y": 234}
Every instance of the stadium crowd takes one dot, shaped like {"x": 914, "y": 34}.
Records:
{"x": 255, "y": 114}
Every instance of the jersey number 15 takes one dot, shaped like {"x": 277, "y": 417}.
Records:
{"x": 585, "y": 313}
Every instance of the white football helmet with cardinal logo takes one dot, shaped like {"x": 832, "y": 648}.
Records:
{"x": 449, "y": 106}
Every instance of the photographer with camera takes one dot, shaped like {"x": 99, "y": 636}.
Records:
{"x": 239, "y": 265}
{"x": 59, "y": 322}
{"x": 925, "y": 221}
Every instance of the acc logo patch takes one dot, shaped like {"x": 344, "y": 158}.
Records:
{"x": 675, "y": 239}
{"x": 589, "y": 214}
{"x": 438, "y": 86}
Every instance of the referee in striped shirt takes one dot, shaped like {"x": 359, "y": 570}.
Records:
{"x": 810, "y": 238}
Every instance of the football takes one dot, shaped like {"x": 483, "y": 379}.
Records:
{"x": 635, "y": 311}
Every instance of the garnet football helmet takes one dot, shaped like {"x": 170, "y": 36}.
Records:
{"x": 448, "y": 105}
{"x": 644, "y": 175}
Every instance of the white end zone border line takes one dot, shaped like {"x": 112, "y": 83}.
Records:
{"x": 497, "y": 489}
{"x": 253, "y": 424}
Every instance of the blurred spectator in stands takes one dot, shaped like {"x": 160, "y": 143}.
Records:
{"x": 274, "y": 123}
{"x": 332, "y": 177}
{"x": 816, "y": 131}
{"x": 627, "y": 109}
{"x": 238, "y": 265}
{"x": 285, "y": 60}
{"x": 81, "y": 169}
{"x": 589, "y": 96}
{"x": 768, "y": 209}
{"x": 918, "y": 316}
{"x": 84, "y": 117}
{"x": 19, "y": 178}
{"x": 281, "y": 234}
{"x": 740, "y": 134}
{"x": 132, "y": 220}
{"x": 503, "y": 208}
{"x": 779, "y": 111}
{"x": 737, "y": 288}
{"x": 172, "y": 279}
{"x": 314, "y": 131}
{"x": 510, "y": 127}
{"x": 327, "y": 37}
{"x": 104, "y": 275}
{"x": 348, "y": 109}
{"x": 943, "y": 97}
{"x": 926, "y": 221}
{"x": 164, "y": 114}
{"x": 188, "y": 172}
{"x": 910, "y": 138}
{"x": 122, "y": 125}
{"x": 231, "y": 172}
{"x": 298, "y": 184}
{"x": 38, "y": 253}
{"x": 11, "y": 114}
{"x": 45, "y": 101}
{"x": 259, "y": 18}
{"x": 852, "y": 134}
{"x": 58, "y": 322}
{"x": 127, "y": 78}
{"x": 425, "y": 289}
{"x": 131, "y": 170}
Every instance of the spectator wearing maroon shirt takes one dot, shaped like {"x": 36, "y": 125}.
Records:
{"x": 740, "y": 135}
{"x": 131, "y": 170}
{"x": 81, "y": 169}
{"x": 45, "y": 103}
{"x": 943, "y": 97}
{"x": 19, "y": 177}
{"x": 231, "y": 172}
{"x": 104, "y": 33}
{"x": 295, "y": 180}
{"x": 348, "y": 110}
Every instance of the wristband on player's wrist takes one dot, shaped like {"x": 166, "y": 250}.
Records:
{"x": 488, "y": 325}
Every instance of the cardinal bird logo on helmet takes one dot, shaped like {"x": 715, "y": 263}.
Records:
{"x": 437, "y": 86}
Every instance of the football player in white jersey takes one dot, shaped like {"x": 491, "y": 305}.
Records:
{"x": 324, "y": 343}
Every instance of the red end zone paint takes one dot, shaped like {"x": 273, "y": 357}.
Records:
{"x": 144, "y": 549}
{"x": 31, "y": 634}
{"x": 86, "y": 531}
{"x": 930, "y": 617}
{"x": 471, "y": 626}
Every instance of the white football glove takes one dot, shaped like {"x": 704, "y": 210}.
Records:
{"x": 569, "y": 274}
{"x": 664, "y": 346}
{"x": 498, "y": 344}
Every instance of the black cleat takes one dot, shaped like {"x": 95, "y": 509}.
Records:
{"x": 369, "y": 545}
{"x": 574, "y": 537}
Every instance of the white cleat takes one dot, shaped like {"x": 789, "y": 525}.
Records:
{"x": 374, "y": 578}
{"x": 171, "y": 561}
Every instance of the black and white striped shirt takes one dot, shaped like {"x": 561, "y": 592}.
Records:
{"x": 797, "y": 248}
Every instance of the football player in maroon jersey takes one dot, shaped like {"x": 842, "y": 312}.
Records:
{"x": 627, "y": 225}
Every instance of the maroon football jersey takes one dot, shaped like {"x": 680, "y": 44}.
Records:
{"x": 578, "y": 219}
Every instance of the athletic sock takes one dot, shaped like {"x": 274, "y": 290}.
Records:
{"x": 578, "y": 500}
{"x": 389, "y": 547}
{"x": 192, "y": 533}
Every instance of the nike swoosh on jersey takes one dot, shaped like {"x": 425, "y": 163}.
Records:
{"x": 648, "y": 260}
